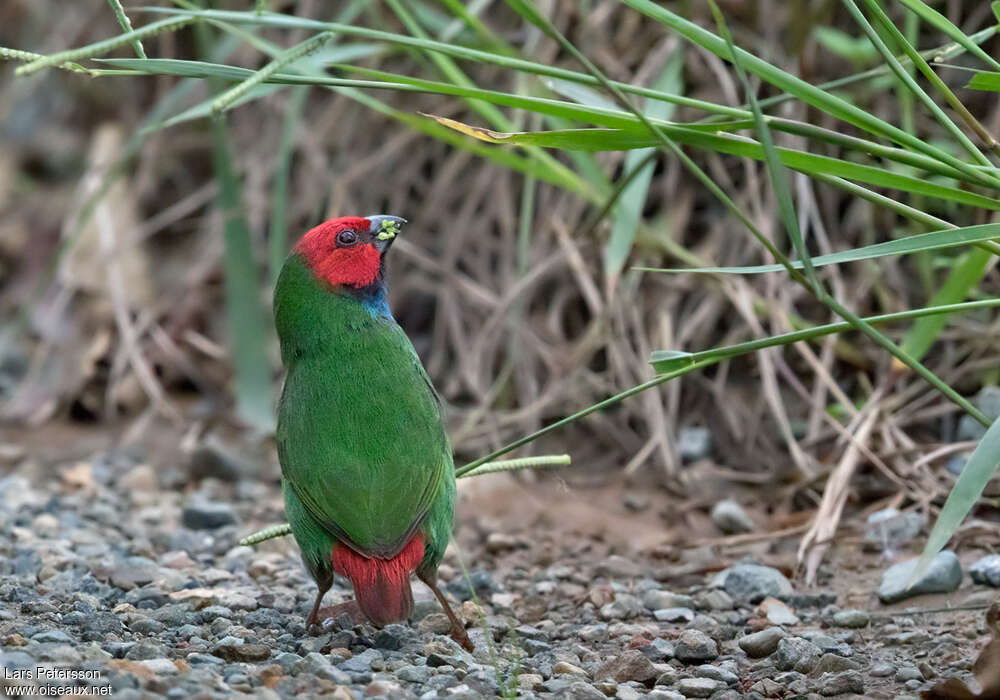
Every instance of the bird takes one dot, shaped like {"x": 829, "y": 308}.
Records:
{"x": 367, "y": 471}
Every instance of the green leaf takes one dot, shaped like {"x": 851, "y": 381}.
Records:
{"x": 934, "y": 240}
{"x": 963, "y": 277}
{"x": 628, "y": 212}
{"x": 985, "y": 80}
{"x": 621, "y": 139}
{"x": 980, "y": 468}
{"x": 854, "y": 48}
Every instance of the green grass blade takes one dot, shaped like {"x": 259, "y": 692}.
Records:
{"x": 934, "y": 240}
{"x": 126, "y": 25}
{"x": 820, "y": 99}
{"x": 905, "y": 78}
{"x": 942, "y": 88}
{"x": 980, "y": 468}
{"x": 772, "y": 161}
{"x": 165, "y": 25}
{"x": 628, "y": 212}
{"x": 224, "y": 102}
{"x": 278, "y": 232}
{"x": 944, "y": 25}
{"x": 785, "y": 206}
{"x": 621, "y": 139}
{"x": 669, "y": 361}
{"x": 248, "y": 330}
{"x": 963, "y": 277}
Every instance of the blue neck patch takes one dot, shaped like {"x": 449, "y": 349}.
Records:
{"x": 375, "y": 300}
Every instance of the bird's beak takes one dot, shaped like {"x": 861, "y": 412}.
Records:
{"x": 384, "y": 229}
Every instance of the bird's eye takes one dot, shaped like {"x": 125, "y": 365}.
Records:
{"x": 347, "y": 238}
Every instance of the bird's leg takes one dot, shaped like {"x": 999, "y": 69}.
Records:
{"x": 323, "y": 587}
{"x": 458, "y": 632}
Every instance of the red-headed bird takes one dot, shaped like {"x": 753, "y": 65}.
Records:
{"x": 366, "y": 464}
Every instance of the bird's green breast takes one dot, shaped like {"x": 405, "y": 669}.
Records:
{"x": 360, "y": 434}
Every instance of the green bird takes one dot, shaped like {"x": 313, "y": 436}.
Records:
{"x": 367, "y": 471}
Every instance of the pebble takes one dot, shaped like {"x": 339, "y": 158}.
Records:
{"x": 777, "y": 613}
{"x": 908, "y": 673}
{"x": 753, "y": 582}
{"x": 763, "y": 643}
{"x": 631, "y": 665}
{"x": 694, "y": 443}
{"x": 892, "y": 529}
{"x": 674, "y": 614}
{"x": 730, "y": 518}
{"x": 987, "y": 401}
{"x": 830, "y": 684}
{"x": 695, "y": 647}
{"x": 852, "y": 619}
{"x": 796, "y": 654}
{"x": 699, "y": 687}
{"x": 200, "y": 514}
{"x": 944, "y": 575}
{"x": 986, "y": 571}
{"x": 656, "y": 599}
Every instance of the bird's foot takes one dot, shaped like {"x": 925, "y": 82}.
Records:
{"x": 331, "y": 616}
{"x": 459, "y": 634}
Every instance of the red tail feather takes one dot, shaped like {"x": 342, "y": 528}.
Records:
{"x": 381, "y": 586}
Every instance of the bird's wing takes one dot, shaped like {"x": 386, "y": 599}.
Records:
{"x": 361, "y": 439}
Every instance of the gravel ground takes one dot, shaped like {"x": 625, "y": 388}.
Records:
{"x": 144, "y": 588}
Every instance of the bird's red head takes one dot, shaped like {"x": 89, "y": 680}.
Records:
{"x": 348, "y": 251}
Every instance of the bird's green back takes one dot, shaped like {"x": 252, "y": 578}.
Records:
{"x": 360, "y": 433}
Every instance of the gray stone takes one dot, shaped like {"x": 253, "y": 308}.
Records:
{"x": 730, "y": 518}
{"x": 944, "y": 575}
{"x": 694, "y": 443}
{"x": 908, "y": 673}
{"x": 661, "y": 694}
{"x": 840, "y": 683}
{"x": 699, "y": 687}
{"x": 317, "y": 665}
{"x": 796, "y": 654}
{"x": 623, "y": 607}
{"x": 852, "y": 619}
{"x": 56, "y": 636}
{"x": 630, "y": 665}
{"x": 656, "y": 599}
{"x": 986, "y": 571}
{"x": 417, "y": 674}
{"x": 133, "y": 572}
{"x": 583, "y": 690}
{"x": 360, "y": 663}
{"x": 674, "y": 615}
{"x": 987, "y": 401}
{"x": 695, "y": 647}
{"x": 658, "y": 650}
{"x": 238, "y": 652}
{"x": 753, "y": 582}
{"x": 763, "y": 643}
{"x": 881, "y": 670}
{"x": 834, "y": 663}
{"x": 717, "y": 673}
{"x": 892, "y": 529}
{"x": 202, "y": 514}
